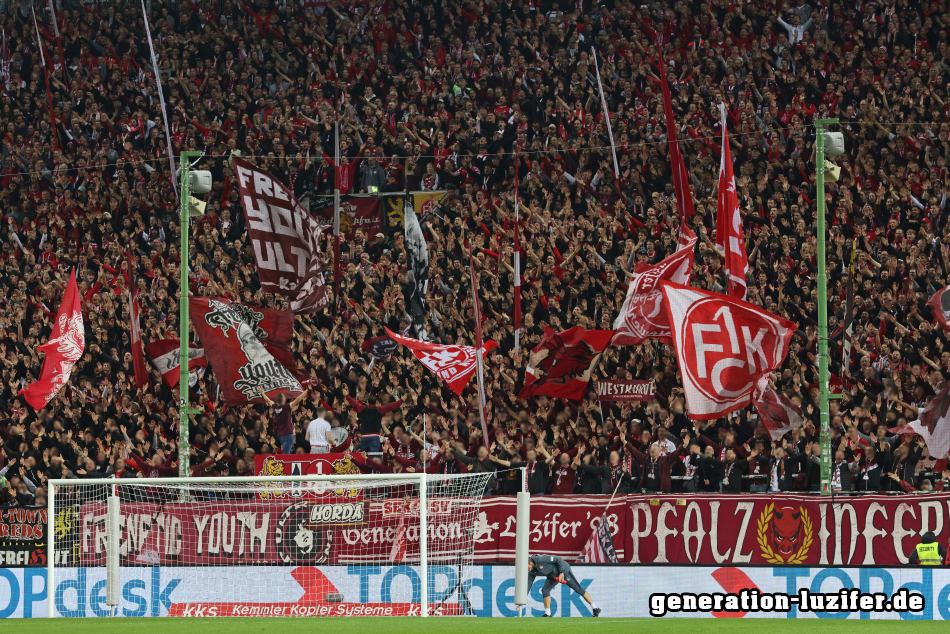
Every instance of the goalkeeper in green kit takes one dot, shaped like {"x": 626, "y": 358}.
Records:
{"x": 556, "y": 571}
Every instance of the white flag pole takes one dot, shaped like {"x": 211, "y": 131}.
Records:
{"x": 161, "y": 98}
{"x": 603, "y": 104}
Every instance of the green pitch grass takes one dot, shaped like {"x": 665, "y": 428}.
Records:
{"x": 460, "y": 625}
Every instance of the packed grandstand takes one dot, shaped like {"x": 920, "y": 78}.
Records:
{"x": 499, "y": 109}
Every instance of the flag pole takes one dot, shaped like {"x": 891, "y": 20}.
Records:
{"x": 517, "y": 264}
{"x": 479, "y": 351}
{"x": 336, "y": 199}
{"x": 603, "y": 104}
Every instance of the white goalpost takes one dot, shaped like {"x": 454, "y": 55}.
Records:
{"x": 318, "y": 545}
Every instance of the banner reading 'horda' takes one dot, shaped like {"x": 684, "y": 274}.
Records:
{"x": 285, "y": 239}
{"x": 241, "y": 360}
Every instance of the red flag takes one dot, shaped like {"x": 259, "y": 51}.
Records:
{"x": 779, "y": 414}
{"x": 380, "y": 347}
{"x": 241, "y": 361}
{"x": 600, "y": 547}
{"x": 642, "y": 316}
{"x": 940, "y": 307}
{"x": 561, "y": 365}
{"x": 730, "y": 240}
{"x": 453, "y": 364}
{"x": 63, "y": 350}
{"x": 724, "y": 346}
{"x": 166, "y": 356}
{"x": 138, "y": 357}
{"x": 684, "y": 198}
{"x": 285, "y": 239}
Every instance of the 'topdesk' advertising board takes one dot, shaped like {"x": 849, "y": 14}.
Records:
{"x": 621, "y": 591}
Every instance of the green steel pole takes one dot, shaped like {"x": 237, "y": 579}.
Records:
{"x": 823, "y": 372}
{"x": 184, "y": 446}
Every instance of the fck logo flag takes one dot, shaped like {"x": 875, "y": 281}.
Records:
{"x": 724, "y": 346}
{"x": 285, "y": 239}
{"x": 453, "y": 364}
{"x": 241, "y": 362}
{"x": 642, "y": 316}
{"x": 63, "y": 350}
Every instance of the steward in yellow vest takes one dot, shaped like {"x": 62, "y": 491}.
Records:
{"x": 929, "y": 552}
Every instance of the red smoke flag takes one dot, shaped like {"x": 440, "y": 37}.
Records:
{"x": 285, "y": 239}
{"x": 642, "y": 316}
{"x": 166, "y": 357}
{"x": 934, "y": 423}
{"x": 724, "y": 347}
{"x": 940, "y": 307}
{"x": 562, "y": 364}
{"x": 684, "y": 198}
{"x": 240, "y": 360}
{"x": 63, "y": 350}
{"x": 778, "y": 413}
{"x": 730, "y": 240}
{"x": 453, "y": 364}
{"x": 600, "y": 549}
{"x": 138, "y": 356}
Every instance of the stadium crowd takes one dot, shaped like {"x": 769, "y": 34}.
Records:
{"x": 470, "y": 97}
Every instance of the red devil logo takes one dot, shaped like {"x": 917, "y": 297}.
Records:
{"x": 786, "y": 530}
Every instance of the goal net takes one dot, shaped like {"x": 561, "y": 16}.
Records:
{"x": 280, "y": 546}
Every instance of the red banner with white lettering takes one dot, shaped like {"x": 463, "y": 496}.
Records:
{"x": 765, "y": 529}
{"x": 624, "y": 390}
{"x": 363, "y": 214}
{"x": 285, "y": 239}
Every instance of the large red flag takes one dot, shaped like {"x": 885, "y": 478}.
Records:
{"x": 684, "y": 198}
{"x": 940, "y": 307}
{"x": 138, "y": 356}
{"x": 729, "y": 237}
{"x": 285, "y": 239}
{"x": 241, "y": 361}
{"x": 562, "y": 364}
{"x": 778, "y": 413}
{"x": 642, "y": 316}
{"x": 63, "y": 350}
{"x": 724, "y": 346}
{"x": 166, "y": 356}
{"x": 453, "y": 364}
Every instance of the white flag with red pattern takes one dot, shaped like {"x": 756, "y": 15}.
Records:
{"x": 778, "y": 413}
{"x": 730, "y": 240}
{"x": 724, "y": 346}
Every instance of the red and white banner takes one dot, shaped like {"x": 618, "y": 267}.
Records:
{"x": 285, "y": 239}
{"x": 642, "y": 316}
{"x": 241, "y": 361}
{"x": 624, "y": 390}
{"x": 778, "y": 530}
{"x": 779, "y": 414}
{"x": 561, "y": 365}
{"x": 453, "y": 364}
{"x": 934, "y": 423}
{"x": 300, "y": 464}
{"x": 600, "y": 547}
{"x": 138, "y": 356}
{"x": 64, "y": 348}
{"x": 356, "y": 214}
{"x": 730, "y": 241}
{"x": 939, "y": 304}
{"x": 166, "y": 357}
{"x": 724, "y": 347}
